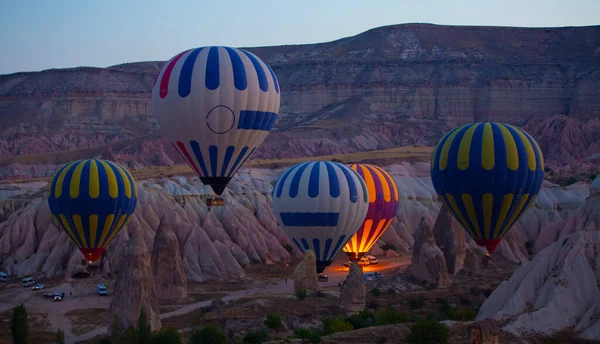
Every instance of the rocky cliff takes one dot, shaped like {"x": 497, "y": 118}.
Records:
{"x": 390, "y": 86}
{"x": 242, "y": 232}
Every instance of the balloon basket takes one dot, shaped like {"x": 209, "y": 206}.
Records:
{"x": 215, "y": 202}
{"x": 355, "y": 256}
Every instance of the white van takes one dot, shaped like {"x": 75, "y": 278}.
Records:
{"x": 27, "y": 282}
{"x": 3, "y": 277}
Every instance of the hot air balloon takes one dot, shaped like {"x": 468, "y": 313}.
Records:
{"x": 488, "y": 175}
{"x": 383, "y": 204}
{"x": 320, "y": 205}
{"x": 216, "y": 105}
{"x": 91, "y": 200}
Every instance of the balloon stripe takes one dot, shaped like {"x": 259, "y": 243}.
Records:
{"x": 213, "y": 152}
{"x": 487, "y": 151}
{"x": 125, "y": 180}
{"x": 237, "y": 161}
{"x": 185, "y": 76}
{"x": 464, "y": 149}
{"x": 113, "y": 187}
{"x": 310, "y": 219}
{"x": 298, "y": 245}
{"x": 198, "y": 153}
{"x": 370, "y": 184}
{"x": 337, "y": 247}
{"x": 317, "y": 246}
{"x": 260, "y": 73}
{"x": 94, "y": 186}
{"x": 93, "y": 222}
{"x": 313, "y": 180}
{"x": 515, "y": 212}
{"x": 334, "y": 183}
{"x": 457, "y": 211}
{"x": 74, "y": 189}
{"x": 305, "y": 244}
{"x": 528, "y": 148}
{"x": 108, "y": 222}
{"x": 246, "y": 158}
{"x": 367, "y": 229}
{"x": 468, "y": 202}
{"x": 212, "y": 76}
{"x": 116, "y": 229}
{"x": 228, "y": 154}
{"x": 506, "y": 202}
{"x": 164, "y": 82}
{"x": 295, "y": 186}
{"x": 282, "y": 180}
{"x": 61, "y": 179}
{"x": 239, "y": 71}
{"x": 512, "y": 155}
{"x": 488, "y": 205}
{"x": 446, "y": 148}
{"x": 352, "y": 185}
{"x": 67, "y": 227}
{"x": 256, "y": 120}
{"x": 538, "y": 150}
{"x": 328, "y": 243}
{"x": 79, "y": 228}
{"x": 377, "y": 233}
{"x": 275, "y": 82}
{"x": 383, "y": 187}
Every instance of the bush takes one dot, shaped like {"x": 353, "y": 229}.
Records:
{"x": 129, "y": 336}
{"x": 427, "y": 331}
{"x": 19, "y": 327}
{"x": 166, "y": 335}
{"x": 60, "y": 337}
{"x": 376, "y": 292}
{"x": 363, "y": 319}
{"x": 390, "y": 316}
{"x": 307, "y": 335}
{"x": 416, "y": 303}
{"x": 387, "y": 246}
{"x": 464, "y": 314}
{"x": 256, "y": 337}
{"x": 382, "y": 340}
{"x": 209, "y": 334}
{"x": 301, "y": 294}
{"x": 334, "y": 325}
{"x": 143, "y": 331}
{"x": 274, "y": 321}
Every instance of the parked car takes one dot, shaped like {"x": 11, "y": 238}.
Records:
{"x": 372, "y": 259}
{"x": 101, "y": 290}
{"x": 323, "y": 278}
{"x": 27, "y": 282}
{"x": 369, "y": 276}
{"x": 58, "y": 296}
{"x": 364, "y": 261}
{"x": 3, "y": 277}
{"x": 348, "y": 263}
{"x": 38, "y": 286}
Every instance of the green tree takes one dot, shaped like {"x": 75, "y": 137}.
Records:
{"x": 307, "y": 335}
{"x": 19, "y": 327}
{"x": 376, "y": 292}
{"x": 274, "y": 321}
{"x": 301, "y": 294}
{"x": 143, "y": 331}
{"x": 166, "y": 335}
{"x": 390, "y": 316}
{"x": 427, "y": 331}
{"x": 129, "y": 336}
{"x": 334, "y": 325}
{"x": 209, "y": 334}
{"x": 115, "y": 330}
{"x": 60, "y": 337}
{"x": 256, "y": 337}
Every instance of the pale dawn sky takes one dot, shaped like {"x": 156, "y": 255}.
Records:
{"x": 43, "y": 34}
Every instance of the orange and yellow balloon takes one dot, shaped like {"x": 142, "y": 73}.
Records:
{"x": 383, "y": 204}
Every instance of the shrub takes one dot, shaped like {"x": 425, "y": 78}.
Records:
{"x": 363, "y": 319}
{"x": 416, "y": 303}
{"x": 387, "y": 246}
{"x": 301, "y": 294}
{"x": 307, "y": 335}
{"x": 209, "y": 334}
{"x": 256, "y": 337}
{"x": 166, "y": 335}
{"x": 390, "y": 316}
{"x": 427, "y": 331}
{"x": 376, "y": 292}
{"x": 60, "y": 337}
{"x": 143, "y": 331}
{"x": 274, "y": 321}
{"x": 382, "y": 340}
{"x": 464, "y": 314}
{"x": 334, "y": 325}
{"x": 19, "y": 327}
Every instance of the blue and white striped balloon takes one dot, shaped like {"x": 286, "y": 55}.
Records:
{"x": 216, "y": 105}
{"x": 320, "y": 205}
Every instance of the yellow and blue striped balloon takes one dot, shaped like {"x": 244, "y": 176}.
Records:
{"x": 488, "y": 174}
{"x": 91, "y": 200}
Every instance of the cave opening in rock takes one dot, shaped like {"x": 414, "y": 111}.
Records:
{"x": 81, "y": 275}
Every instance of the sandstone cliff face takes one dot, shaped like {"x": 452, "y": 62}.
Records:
{"x": 167, "y": 268}
{"x": 134, "y": 288}
{"x": 391, "y": 86}
{"x": 217, "y": 244}
{"x": 353, "y": 298}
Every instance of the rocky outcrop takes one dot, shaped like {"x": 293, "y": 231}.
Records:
{"x": 390, "y": 86}
{"x": 450, "y": 238}
{"x": 354, "y": 290}
{"x": 428, "y": 262}
{"x": 134, "y": 288}
{"x": 556, "y": 290}
{"x": 305, "y": 274}
{"x": 167, "y": 269}
{"x": 484, "y": 332}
